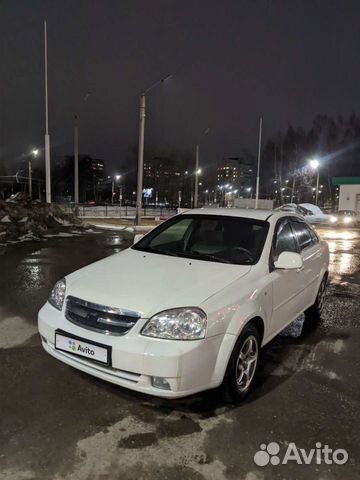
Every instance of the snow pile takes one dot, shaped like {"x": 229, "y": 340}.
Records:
{"x": 21, "y": 221}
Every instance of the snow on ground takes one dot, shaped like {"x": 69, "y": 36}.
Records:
{"x": 25, "y": 221}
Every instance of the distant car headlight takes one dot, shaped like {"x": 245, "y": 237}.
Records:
{"x": 333, "y": 219}
{"x": 348, "y": 220}
{"x": 57, "y": 295}
{"x": 177, "y": 324}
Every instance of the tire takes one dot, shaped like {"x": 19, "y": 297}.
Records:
{"x": 242, "y": 367}
{"x": 314, "y": 312}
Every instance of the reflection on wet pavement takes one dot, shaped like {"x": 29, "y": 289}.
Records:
{"x": 29, "y": 270}
{"x": 307, "y": 389}
{"x": 344, "y": 250}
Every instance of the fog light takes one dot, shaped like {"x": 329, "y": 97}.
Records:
{"x": 160, "y": 382}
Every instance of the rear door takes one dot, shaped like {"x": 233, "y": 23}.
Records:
{"x": 310, "y": 251}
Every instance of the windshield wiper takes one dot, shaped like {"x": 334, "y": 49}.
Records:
{"x": 156, "y": 250}
{"x": 208, "y": 256}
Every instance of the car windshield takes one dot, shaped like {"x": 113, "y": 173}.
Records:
{"x": 212, "y": 238}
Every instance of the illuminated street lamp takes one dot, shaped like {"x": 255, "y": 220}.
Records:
{"x": 314, "y": 164}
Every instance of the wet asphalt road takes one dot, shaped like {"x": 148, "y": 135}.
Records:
{"x": 58, "y": 423}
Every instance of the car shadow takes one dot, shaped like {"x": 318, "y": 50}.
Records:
{"x": 276, "y": 365}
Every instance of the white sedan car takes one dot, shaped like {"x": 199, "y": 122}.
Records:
{"x": 188, "y": 307}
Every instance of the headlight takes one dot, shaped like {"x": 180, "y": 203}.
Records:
{"x": 347, "y": 220}
{"x": 177, "y": 324}
{"x": 333, "y": 219}
{"x": 57, "y": 295}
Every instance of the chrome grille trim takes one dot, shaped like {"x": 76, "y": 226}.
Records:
{"x": 99, "y": 318}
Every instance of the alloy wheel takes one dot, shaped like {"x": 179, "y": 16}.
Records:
{"x": 322, "y": 296}
{"x": 246, "y": 363}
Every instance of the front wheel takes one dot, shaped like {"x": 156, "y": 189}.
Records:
{"x": 315, "y": 311}
{"x": 241, "y": 371}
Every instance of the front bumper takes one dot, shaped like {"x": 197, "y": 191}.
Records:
{"x": 187, "y": 366}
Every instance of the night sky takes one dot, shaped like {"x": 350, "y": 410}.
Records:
{"x": 231, "y": 61}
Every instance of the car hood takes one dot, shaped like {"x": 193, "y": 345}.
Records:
{"x": 148, "y": 283}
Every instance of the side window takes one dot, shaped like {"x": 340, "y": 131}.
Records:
{"x": 303, "y": 234}
{"x": 284, "y": 241}
{"x": 313, "y": 235}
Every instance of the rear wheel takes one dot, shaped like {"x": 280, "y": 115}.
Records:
{"x": 241, "y": 371}
{"x": 315, "y": 311}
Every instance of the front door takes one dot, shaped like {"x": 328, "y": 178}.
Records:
{"x": 311, "y": 254}
{"x": 288, "y": 285}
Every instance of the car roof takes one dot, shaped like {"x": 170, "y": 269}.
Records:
{"x": 256, "y": 214}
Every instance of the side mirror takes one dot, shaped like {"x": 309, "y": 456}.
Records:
{"x": 138, "y": 237}
{"x": 289, "y": 261}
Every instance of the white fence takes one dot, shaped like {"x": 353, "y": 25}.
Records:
{"x": 115, "y": 211}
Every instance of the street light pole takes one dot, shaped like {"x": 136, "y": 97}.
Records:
{"x": 317, "y": 187}
{"x": 196, "y": 189}
{"x": 47, "y": 136}
{"x": 140, "y": 173}
{"x": 30, "y": 180}
{"x": 76, "y": 160}
{"x": 118, "y": 179}
{"x": 314, "y": 164}
{"x": 35, "y": 153}
{"x": 258, "y": 167}
{"x": 140, "y": 161}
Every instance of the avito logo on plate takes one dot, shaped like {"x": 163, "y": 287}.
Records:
{"x": 80, "y": 348}
{"x": 270, "y": 454}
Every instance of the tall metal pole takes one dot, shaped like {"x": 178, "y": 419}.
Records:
{"x": 112, "y": 192}
{"x": 258, "y": 167}
{"x": 294, "y": 175}
{"x": 196, "y": 190}
{"x": 76, "y": 160}
{"x": 30, "y": 180}
{"x": 140, "y": 161}
{"x": 47, "y": 137}
{"x": 293, "y": 190}
{"x": 317, "y": 187}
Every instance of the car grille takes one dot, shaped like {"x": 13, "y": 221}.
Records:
{"x": 99, "y": 318}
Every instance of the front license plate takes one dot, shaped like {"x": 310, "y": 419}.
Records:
{"x": 82, "y": 348}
